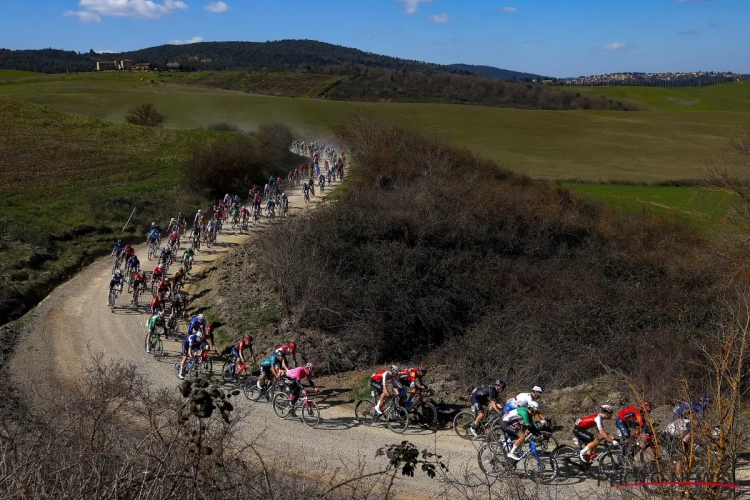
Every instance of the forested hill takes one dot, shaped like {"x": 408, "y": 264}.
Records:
{"x": 238, "y": 56}
{"x": 493, "y": 72}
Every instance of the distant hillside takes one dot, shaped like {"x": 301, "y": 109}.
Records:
{"x": 493, "y": 72}
{"x": 47, "y": 60}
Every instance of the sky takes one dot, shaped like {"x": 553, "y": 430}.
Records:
{"x": 548, "y": 37}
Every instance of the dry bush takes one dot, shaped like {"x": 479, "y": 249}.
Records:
{"x": 145, "y": 115}
{"x": 224, "y": 127}
{"x": 436, "y": 253}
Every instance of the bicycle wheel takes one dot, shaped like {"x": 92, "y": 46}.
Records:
{"x": 565, "y": 457}
{"x": 112, "y": 299}
{"x": 491, "y": 458}
{"x": 397, "y": 419}
{"x": 547, "y": 443}
{"x": 427, "y": 415}
{"x": 208, "y": 366}
{"x": 310, "y": 414}
{"x": 541, "y": 470}
{"x": 177, "y": 369}
{"x": 461, "y": 424}
{"x": 281, "y": 405}
{"x": 251, "y": 390}
{"x": 607, "y": 467}
{"x": 364, "y": 412}
{"x": 227, "y": 372}
{"x": 157, "y": 348}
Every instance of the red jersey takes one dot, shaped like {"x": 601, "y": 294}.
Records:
{"x": 631, "y": 414}
{"x": 588, "y": 421}
{"x": 410, "y": 376}
{"x": 156, "y": 302}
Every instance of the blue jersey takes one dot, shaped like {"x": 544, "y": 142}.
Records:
{"x": 196, "y": 324}
{"x": 116, "y": 278}
{"x": 193, "y": 342}
{"x": 686, "y": 409}
{"x": 271, "y": 360}
{"x": 134, "y": 262}
{"x": 153, "y": 234}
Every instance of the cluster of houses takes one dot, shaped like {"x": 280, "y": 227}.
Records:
{"x": 624, "y": 78}
{"x": 123, "y": 65}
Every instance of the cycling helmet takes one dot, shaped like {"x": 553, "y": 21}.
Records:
{"x": 208, "y": 329}
{"x": 607, "y": 409}
{"x": 119, "y": 242}
{"x": 500, "y": 383}
{"x": 199, "y": 335}
{"x": 395, "y": 368}
{"x": 522, "y": 403}
{"x": 704, "y": 400}
{"x": 422, "y": 369}
{"x": 646, "y": 406}
{"x": 248, "y": 338}
{"x": 153, "y": 224}
{"x": 537, "y": 389}
{"x": 310, "y": 367}
{"x": 292, "y": 346}
{"x": 533, "y": 405}
{"x": 201, "y": 317}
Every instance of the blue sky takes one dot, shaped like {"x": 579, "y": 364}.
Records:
{"x": 571, "y": 38}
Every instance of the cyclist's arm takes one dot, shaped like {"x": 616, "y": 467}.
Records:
{"x": 494, "y": 406}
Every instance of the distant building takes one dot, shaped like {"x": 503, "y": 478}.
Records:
{"x": 125, "y": 64}
{"x": 141, "y": 67}
{"x": 106, "y": 65}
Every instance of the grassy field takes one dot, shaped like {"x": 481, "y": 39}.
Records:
{"x": 732, "y": 97}
{"x": 14, "y": 73}
{"x": 585, "y": 145}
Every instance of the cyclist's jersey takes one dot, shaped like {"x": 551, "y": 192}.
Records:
{"x": 241, "y": 345}
{"x": 174, "y": 236}
{"x": 270, "y": 203}
{"x": 486, "y": 393}
{"x": 256, "y": 198}
{"x": 155, "y": 321}
{"x": 156, "y": 302}
{"x": 117, "y": 278}
{"x": 179, "y": 275}
{"x": 188, "y": 254}
{"x": 197, "y": 323}
{"x": 166, "y": 253}
{"x": 134, "y": 262}
{"x": 631, "y": 414}
{"x": 688, "y": 410}
{"x": 153, "y": 234}
{"x": 519, "y": 416}
{"x": 384, "y": 376}
{"x": 271, "y": 360}
{"x": 299, "y": 373}
{"x": 158, "y": 271}
{"x": 413, "y": 376}
{"x": 244, "y": 211}
{"x": 140, "y": 276}
{"x": 192, "y": 342}
{"x": 305, "y": 187}
{"x": 129, "y": 251}
{"x": 524, "y": 396}
{"x": 595, "y": 419}
{"x": 283, "y": 351}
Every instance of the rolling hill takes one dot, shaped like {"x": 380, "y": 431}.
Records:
{"x": 493, "y": 72}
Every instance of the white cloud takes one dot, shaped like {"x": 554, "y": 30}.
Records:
{"x": 439, "y": 18}
{"x": 175, "y": 4}
{"x": 217, "y": 7}
{"x": 94, "y": 10}
{"x": 507, "y": 9}
{"x": 195, "y": 39}
{"x": 104, "y": 51}
{"x": 615, "y": 46}
{"x": 413, "y": 5}
{"x": 83, "y": 15}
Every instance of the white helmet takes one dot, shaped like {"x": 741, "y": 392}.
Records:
{"x": 533, "y": 405}
{"x": 537, "y": 389}
{"x": 201, "y": 317}
{"x": 199, "y": 335}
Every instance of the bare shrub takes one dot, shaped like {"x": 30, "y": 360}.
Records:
{"x": 145, "y": 115}
{"x": 224, "y": 127}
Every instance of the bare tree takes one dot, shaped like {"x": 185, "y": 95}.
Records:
{"x": 145, "y": 115}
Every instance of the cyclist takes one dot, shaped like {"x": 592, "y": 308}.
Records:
{"x": 133, "y": 264}
{"x": 269, "y": 368}
{"x": 285, "y": 350}
{"x": 198, "y": 218}
{"x": 245, "y": 342}
{"x": 413, "y": 378}
{"x": 518, "y": 423}
{"x": 116, "y": 281}
{"x": 117, "y": 249}
{"x": 157, "y": 274}
{"x": 485, "y": 395}
{"x": 256, "y": 202}
{"x": 284, "y": 202}
{"x": 685, "y": 416}
{"x": 295, "y": 376}
{"x": 379, "y": 383}
{"x": 189, "y": 255}
{"x": 177, "y": 279}
{"x": 166, "y": 256}
{"x": 270, "y": 207}
{"x": 306, "y": 191}
{"x": 586, "y": 438}
{"x": 157, "y": 320}
{"x": 178, "y": 304}
{"x": 153, "y": 235}
{"x": 197, "y": 324}
{"x": 174, "y": 240}
{"x": 128, "y": 252}
{"x": 191, "y": 346}
{"x": 157, "y": 304}
{"x": 164, "y": 287}
{"x": 212, "y": 225}
{"x": 534, "y": 395}
{"x": 244, "y": 214}
{"x": 632, "y": 417}
{"x": 139, "y": 281}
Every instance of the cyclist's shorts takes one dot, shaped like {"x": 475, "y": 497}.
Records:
{"x": 623, "y": 427}
{"x": 266, "y": 369}
{"x": 477, "y": 402}
{"x": 583, "y": 435}
{"x": 510, "y": 429}
{"x": 185, "y": 347}
{"x": 377, "y": 387}
{"x": 113, "y": 284}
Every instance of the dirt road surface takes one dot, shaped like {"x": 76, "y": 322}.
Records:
{"x": 73, "y": 323}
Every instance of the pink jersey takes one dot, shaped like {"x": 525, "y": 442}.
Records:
{"x": 298, "y": 373}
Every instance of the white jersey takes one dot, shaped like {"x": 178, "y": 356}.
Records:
{"x": 524, "y": 396}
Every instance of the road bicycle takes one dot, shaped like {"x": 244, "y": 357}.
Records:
{"x": 195, "y": 366}
{"x": 136, "y": 294}
{"x": 424, "y": 413}
{"x": 463, "y": 420}
{"x": 396, "y": 416}
{"x": 113, "y": 294}
{"x": 308, "y": 410}
{"x": 232, "y": 374}
{"x": 267, "y": 391}
{"x": 153, "y": 249}
{"x": 538, "y": 466}
{"x": 608, "y": 464}
{"x": 118, "y": 263}
{"x": 157, "y": 348}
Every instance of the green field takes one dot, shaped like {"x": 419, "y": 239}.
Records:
{"x": 13, "y": 73}
{"x": 586, "y": 145}
{"x": 732, "y": 97}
